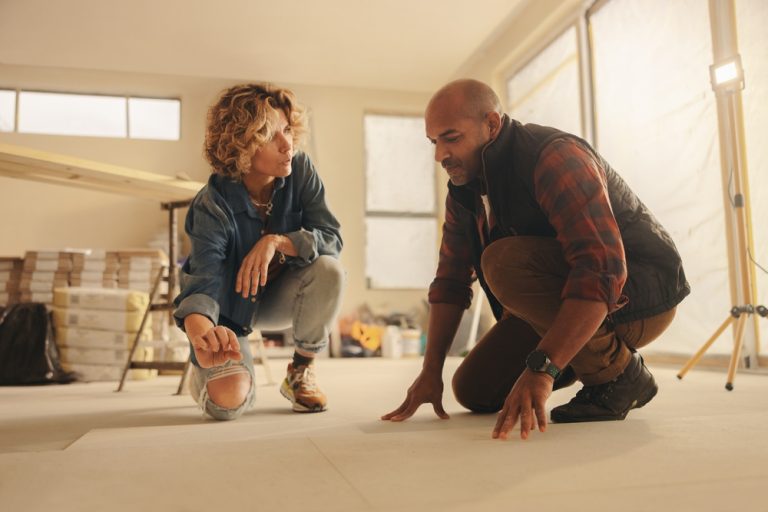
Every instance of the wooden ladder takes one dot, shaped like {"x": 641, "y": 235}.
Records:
{"x": 167, "y": 305}
{"x": 154, "y": 305}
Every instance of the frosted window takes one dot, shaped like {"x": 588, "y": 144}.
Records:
{"x": 546, "y": 90}
{"x": 400, "y": 171}
{"x": 72, "y": 114}
{"x": 154, "y": 118}
{"x": 7, "y": 110}
{"x": 751, "y": 20}
{"x": 400, "y": 252}
{"x": 657, "y": 126}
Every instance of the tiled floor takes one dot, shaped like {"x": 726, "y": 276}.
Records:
{"x": 85, "y": 448}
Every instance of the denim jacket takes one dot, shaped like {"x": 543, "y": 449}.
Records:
{"x": 223, "y": 226}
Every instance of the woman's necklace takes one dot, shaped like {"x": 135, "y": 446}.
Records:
{"x": 267, "y": 206}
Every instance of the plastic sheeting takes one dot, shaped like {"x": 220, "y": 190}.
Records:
{"x": 751, "y": 20}
{"x": 546, "y": 90}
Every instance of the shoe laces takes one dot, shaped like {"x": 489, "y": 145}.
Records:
{"x": 305, "y": 377}
{"x": 596, "y": 393}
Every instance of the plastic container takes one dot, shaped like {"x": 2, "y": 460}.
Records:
{"x": 411, "y": 342}
{"x": 392, "y": 343}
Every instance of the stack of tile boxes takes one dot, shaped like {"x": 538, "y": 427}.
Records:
{"x": 95, "y": 328}
{"x": 95, "y": 269}
{"x": 42, "y": 272}
{"x": 138, "y": 270}
{"x": 10, "y": 278}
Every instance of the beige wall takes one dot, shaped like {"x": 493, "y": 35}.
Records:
{"x": 36, "y": 215}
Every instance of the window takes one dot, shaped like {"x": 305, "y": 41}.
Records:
{"x": 72, "y": 114}
{"x": 54, "y": 113}
{"x": 7, "y": 110}
{"x": 401, "y": 223}
{"x": 153, "y": 118}
{"x": 546, "y": 90}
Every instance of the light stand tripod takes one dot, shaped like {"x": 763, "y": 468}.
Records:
{"x": 727, "y": 77}
{"x": 740, "y": 315}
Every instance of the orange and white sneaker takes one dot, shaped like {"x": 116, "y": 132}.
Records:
{"x": 300, "y": 388}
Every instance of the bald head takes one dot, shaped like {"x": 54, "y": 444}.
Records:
{"x": 465, "y": 98}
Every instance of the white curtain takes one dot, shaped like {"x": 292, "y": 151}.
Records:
{"x": 751, "y": 21}
{"x": 657, "y": 125}
{"x": 546, "y": 90}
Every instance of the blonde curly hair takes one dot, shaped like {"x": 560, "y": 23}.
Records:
{"x": 245, "y": 118}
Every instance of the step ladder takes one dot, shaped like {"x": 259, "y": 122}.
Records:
{"x": 164, "y": 302}
{"x": 157, "y": 302}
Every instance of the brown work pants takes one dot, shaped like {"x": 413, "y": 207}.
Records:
{"x": 527, "y": 276}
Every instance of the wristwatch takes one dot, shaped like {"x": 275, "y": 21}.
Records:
{"x": 538, "y": 361}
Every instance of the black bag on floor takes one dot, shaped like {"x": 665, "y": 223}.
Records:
{"x": 28, "y": 353}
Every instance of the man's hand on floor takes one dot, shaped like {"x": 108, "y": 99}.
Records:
{"x": 427, "y": 388}
{"x": 526, "y": 402}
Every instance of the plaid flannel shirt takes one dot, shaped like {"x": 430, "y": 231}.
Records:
{"x": 571, "y": 189}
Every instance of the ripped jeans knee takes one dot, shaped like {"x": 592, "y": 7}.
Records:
{"x": 201, "y": 377}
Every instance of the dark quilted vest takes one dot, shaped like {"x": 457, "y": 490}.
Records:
{"x": 655, "y": 281}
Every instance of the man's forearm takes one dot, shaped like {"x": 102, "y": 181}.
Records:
{"x": 444, "y": 320}
{"x": 575, "y": 324}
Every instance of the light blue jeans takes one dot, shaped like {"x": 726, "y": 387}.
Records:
{"x": 305, "y": 298}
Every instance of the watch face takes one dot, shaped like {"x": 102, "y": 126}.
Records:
{"x": 537, "y": 360}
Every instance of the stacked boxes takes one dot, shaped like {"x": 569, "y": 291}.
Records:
{"x": 42, "y": 272}
{"x": 94, "y": 269}
{"x": 138, "y": 268}
{"x": 95, "y": 329}
{"x": 10, "y": 277}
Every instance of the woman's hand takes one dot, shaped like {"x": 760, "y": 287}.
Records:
{"x": 253, "y": 270}
{"x": 214, "y": 345}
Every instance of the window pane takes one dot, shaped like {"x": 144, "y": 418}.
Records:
{"x": 7, "y": 110}
{"x": 72, "y": 114}
{"x": 546, "y": 90}
{"x": 751, "y": 20}
{"x": 400, "y": 173}
{"x": 400, "y": 252}
{"x": 657, "y": 125}
{"x": 154, "y": 118}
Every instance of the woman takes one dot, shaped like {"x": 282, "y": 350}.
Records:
{"x": 264, "y": 252}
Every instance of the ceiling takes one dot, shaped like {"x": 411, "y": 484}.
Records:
{"x": 410, "y": 45}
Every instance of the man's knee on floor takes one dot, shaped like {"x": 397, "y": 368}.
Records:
{"x": 470, "y": 396}
{"x": 230, "y": 392}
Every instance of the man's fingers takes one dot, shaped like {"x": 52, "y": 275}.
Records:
{"x": 438, "y": 407}
{"x": 499, "y": 422}
{"x": 526, "y": 422}
{"x": 212, "y": 340}
{"x": 407, "y": 412}
{"x": 541, "y": 417}
{"x": 395, "y": 412}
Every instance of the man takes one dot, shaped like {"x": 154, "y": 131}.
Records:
{"x": 577, "y": 271}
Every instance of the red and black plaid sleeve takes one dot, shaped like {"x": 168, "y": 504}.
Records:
{"x": 571, "y": 188}
{"x": 455, "y": 269}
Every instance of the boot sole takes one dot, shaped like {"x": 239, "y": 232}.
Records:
{"x": 297, "y": 406}
{"x": 557, "y": 418}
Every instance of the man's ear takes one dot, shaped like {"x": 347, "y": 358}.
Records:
{"x": 493, "y": 119}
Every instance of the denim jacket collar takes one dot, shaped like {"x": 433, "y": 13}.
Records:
{"x": 236, "y": 195}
